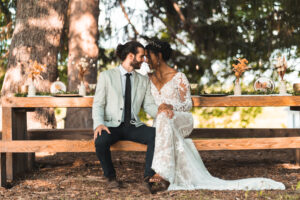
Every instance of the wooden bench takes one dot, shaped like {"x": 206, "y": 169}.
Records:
{"x": 17, "y": 141}
{"x": 79, "y": 140}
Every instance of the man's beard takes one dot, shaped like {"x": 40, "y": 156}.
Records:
{"x": 135, "y": 64}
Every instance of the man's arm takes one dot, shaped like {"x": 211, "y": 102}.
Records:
{"x": 99, "y": 102}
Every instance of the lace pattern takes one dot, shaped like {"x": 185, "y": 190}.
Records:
{"x": 175, "y": 158}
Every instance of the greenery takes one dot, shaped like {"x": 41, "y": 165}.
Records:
{"x": 201, "y": 33}
{"x": 205, "y": 32}
{"x": 224, "y": 117}
{"x": 249, "y": 93}
{"x": 48, "y": 94}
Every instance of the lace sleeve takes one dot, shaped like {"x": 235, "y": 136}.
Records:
{"x": 185, "y": 101}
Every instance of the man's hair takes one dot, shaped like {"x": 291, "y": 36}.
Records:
{"x": 130, "y": 47}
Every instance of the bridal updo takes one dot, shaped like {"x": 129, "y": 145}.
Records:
{"x": 130, "y": 47}
{"x": 157, "y": 46}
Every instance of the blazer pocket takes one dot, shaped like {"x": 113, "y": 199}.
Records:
{"x": 107, "y": 118}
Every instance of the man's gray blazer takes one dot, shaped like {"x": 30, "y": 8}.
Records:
{"x": 108, "y": 102}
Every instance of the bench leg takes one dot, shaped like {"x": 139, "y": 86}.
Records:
{"x": 2, "y": 170}
{"x": 297, "y": 156}
{"x": 14, "y": 127}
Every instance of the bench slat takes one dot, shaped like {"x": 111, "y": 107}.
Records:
{"x": 201, "y": 144}
{"x": 87, "y": 134}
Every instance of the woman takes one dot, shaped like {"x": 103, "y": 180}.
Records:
{"x": 175, "y": 158}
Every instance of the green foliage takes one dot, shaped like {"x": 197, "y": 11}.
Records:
{"x": 145, "y": 118}
{"x": 219, "y": 31}
{"x": 63, "y": 67}
{"x": 229, "y": 117}
{"x": 298, "y": 186}
{"x": 50, "y": 94}
{"x": 7, "y": 19}
{"x": 211, "y": 31}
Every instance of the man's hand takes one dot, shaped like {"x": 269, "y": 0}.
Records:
{"x": 166, "y": 108}
{"x": 99, "y": 129}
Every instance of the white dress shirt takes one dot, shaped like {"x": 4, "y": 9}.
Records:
{"x": 123, "y": 80}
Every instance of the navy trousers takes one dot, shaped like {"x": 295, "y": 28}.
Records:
{"x": 142, "y": 134}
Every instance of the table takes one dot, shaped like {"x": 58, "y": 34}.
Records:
{"x": 15, "y": 142}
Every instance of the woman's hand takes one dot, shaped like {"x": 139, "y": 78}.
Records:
{"x": 166, "y": 108}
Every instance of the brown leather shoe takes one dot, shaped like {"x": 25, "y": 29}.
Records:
{"x": 164, "y": 184}
{"x": 146, "y": 186}
{"x": 160, "y": 181}
{"x": 112, "y": 183}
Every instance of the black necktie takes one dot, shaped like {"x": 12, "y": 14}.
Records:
{"x": 127, "y": 116}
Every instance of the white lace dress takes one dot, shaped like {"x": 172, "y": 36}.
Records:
{"x": 176, "y": 158}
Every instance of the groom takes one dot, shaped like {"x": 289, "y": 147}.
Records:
{"x": 120, "y": 93}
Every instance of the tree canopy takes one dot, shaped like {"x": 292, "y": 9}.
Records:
{"x": 201, "y": 32}
{"x": 206, "y": 31}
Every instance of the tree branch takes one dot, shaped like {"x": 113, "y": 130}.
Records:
{"x": 173, "y": 33}
{"x": 176, "y": 7}
{"x": 6, "y": 12}
{"x": 126, "y": 16}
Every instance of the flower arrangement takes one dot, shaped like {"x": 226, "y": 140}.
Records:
{"x": 34, "y": 73}
{"x": 35, "y": 70}
{"x": 82, "y": 67}
{"x": 240, "y": 68}
{"x": 281, "y": 66}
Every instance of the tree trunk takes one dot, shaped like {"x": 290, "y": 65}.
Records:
{"x": 36, "y": 37}
{"x": 83, "y": 39}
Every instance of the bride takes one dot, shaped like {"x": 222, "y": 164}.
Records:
{"x": 176, "y": 159}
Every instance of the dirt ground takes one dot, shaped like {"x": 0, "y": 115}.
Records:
{"x": 79, "y": 176}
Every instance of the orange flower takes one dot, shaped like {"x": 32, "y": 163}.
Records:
{"x": 240, "y": 67}
{"x": 58, "y": 87}
{"x": 35, "y": 70}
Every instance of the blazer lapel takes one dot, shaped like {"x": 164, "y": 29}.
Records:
{"x": 134, "y": 87}
{"x": 117, "y": 82}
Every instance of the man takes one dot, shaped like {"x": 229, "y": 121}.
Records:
{"x": 120, "y": 93}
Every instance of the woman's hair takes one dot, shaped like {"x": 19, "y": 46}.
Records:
{"x": 157, "y": 46}
{"x": 130, "y": 47}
